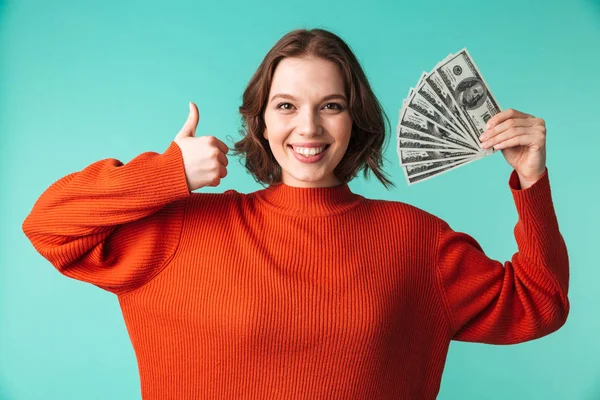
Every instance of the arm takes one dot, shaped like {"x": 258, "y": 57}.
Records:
{"x": 111, "y": 224}
{"x": 523, "y": 300}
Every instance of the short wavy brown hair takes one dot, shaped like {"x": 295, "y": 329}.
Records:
{"x": 368, "y": 117}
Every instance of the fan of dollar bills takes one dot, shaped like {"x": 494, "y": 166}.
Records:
{"x": 442, "y": 118}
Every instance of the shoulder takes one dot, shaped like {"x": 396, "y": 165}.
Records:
{"x": 217, "y": 202}
{"x": 394, "y": 207}
{"x": 403, "y": 213}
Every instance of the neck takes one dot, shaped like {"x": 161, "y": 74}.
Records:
{"x": 309, "y": 201}
{"x": 329, "y": 181}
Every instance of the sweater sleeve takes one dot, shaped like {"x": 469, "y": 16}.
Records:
{"x": 524, "y": 299}
{"x": 111, "y": 224}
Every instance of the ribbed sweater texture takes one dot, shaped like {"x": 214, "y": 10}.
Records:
{"x": 294, "y": 293}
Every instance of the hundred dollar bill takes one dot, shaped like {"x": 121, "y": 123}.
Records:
{"x": 422, "y": 130}
{"x": 412, "y": 144}
{"x": 411, "y": 90}
{"x": 404, "y": 132}
{"x": 471, "y": 93}
{"x": 427, "y": 93}
{"x": 417, "y": 169}
{"x": 412, "y": 119}
{"x": 436, "y": 83}
{"x": 413, "y": 177}
{"x": 421, "y": 105}
{"x": 423, "y": 156}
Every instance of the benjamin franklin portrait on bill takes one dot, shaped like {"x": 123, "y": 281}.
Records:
{"x": 470, "y": 93}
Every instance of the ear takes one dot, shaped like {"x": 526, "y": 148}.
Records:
{"x": 265, "y": 134}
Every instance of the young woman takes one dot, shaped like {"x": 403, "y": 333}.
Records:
{"x": 304, "y": 289}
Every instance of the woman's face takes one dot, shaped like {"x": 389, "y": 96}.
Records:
{"x": 307, "y": 109}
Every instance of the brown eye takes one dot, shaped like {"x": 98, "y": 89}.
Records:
{"x": 337, "y": 106}
{"x": 283, "y": 104}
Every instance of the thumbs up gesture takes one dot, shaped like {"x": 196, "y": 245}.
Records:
{"x": 204, "y": 157}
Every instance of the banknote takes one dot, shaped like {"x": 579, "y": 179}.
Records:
{"x": 469, "y": 90}
{"x": 410, "y": 144}
{"x": 421, "y": 105}
{"x": 442, "y": 117}
{"x": 436, "y": 83}
{"x": 420, "y": 156}
{"x": 407, "y": 136}
{"x": 424, "y": 175}
{"x": 427, "y": 93}
{"x": 405, "y": 131}
{"x": 410, "y": 118}
{"x": 418, "y": 169}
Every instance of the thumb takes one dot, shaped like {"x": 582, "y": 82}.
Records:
{"x": 189, "y": 128}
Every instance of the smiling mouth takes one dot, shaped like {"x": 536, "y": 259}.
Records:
{"x": 308, "y": 153}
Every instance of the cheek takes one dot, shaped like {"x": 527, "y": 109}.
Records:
{"x": 275, "y": 127}
{"x": 341, "y": 128}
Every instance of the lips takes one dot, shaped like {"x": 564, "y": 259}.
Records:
{"x": 309, "y": 150}
{"x": 309, "y": 144}
{"x": 309, "y": 159}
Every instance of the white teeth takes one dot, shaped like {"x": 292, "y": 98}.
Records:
{"x": 308, "y": 151}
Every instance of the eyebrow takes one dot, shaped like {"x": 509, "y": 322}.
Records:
{"x": 290, "y": 97}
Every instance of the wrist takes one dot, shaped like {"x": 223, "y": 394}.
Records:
{"x": 528, "y": 181}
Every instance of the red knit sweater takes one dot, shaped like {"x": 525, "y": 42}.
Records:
{"x": 294, "y": 293}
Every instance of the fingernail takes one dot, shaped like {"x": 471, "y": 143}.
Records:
{"x": 482, "y": 137}
{"x": 488, "y": 125}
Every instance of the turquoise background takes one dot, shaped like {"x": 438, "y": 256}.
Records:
{"x": 83, "y": 81}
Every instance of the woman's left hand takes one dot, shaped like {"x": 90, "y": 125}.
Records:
{"x": 522, "y": 138}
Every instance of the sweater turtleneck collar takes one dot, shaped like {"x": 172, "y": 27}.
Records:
{"x": 301, "y": 201}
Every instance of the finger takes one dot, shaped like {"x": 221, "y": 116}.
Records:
{"x": 220, "y": 145}
{"x": 519, "y": 130}
{"x": 223, "y": 172}
{"x": 222, "y": 159}
{"x": 509, "y": 123}
{"x": 520, "y": 140}
{"x": 189, "y": 128}
{"x": 512, "y": 132}
{"x": 504, "y": 115}
{"x": 215, "y": 182}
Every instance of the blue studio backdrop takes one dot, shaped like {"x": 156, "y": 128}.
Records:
{"x": 82, "y": 81}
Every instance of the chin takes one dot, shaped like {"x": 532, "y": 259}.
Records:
{"x": 308, "y": 179}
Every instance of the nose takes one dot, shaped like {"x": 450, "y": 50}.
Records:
{"x": 309, "y": 123}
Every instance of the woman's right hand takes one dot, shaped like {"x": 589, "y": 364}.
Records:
{"x": 204, "y": 157}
